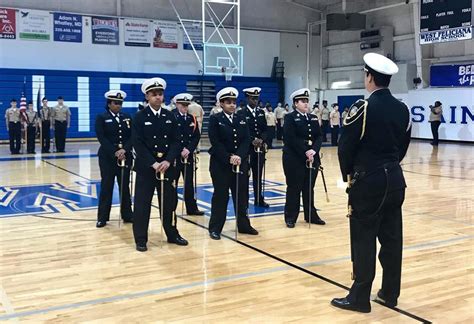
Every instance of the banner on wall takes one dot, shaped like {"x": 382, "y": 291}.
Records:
{"x": 67, "y": 27}
{"x": 7, "y": 23}
{"x": 137, "y": 32}
{"x": 195, "y": 33}
{"x": 446, "y": 35}
{"x": 105, "y": 30}
{"x": 460, "y": 75}
{"x": 457, "y": 118}
{"x": 34, "y": 25}
{"x": 165, "y": 34}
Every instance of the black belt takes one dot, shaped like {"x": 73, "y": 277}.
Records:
{"x": 358, "y": 175}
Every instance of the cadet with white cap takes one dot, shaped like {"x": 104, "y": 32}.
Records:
{"x": 155, "y": 140}
{"x": 188, "y": 137}
{"x": 230, "y": 140}
{"x": 257, "y": 124}
{"x": 374, "y": 142}
{"x": 302, "y": 142}
{"x": 114, "y": 132}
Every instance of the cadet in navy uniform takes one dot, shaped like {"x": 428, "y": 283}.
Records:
{"x": 374, "y": 142}
{"x": 188, "y": 136}
{"x": 230, "y": 141}
{"x": 114, "y": 132}
{"x": 302, "y": 139}
{"x": 155, "y": 140}
{"x": 257, "y": 125}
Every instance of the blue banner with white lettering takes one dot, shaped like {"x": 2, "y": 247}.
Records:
{"x": 461, "y": 75}
{"x": 67, "y": 27}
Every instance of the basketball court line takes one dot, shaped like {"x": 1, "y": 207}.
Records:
{"x": 277, "y": 258}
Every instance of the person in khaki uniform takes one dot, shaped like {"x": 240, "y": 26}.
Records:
{"x": 195, "y": 109}
{"x": 13, "y": 123}
{"x": 335, "y": 120}
{"x": 62, "y": 121}
{"x": 45, "y": 115}
{"x": 324, "y": 111}
{"x": 271, "y": 125}
{"x": 32, "y": 123}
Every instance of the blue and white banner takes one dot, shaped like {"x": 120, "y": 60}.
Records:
{"x": 67, "y": 27}
{"x": 461, "y": 75}
{"x": 446, "y": 35}
{"x": 105, "y": 30}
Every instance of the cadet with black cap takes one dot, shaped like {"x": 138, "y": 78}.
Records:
{"x": 230, "y": 140}
{"x": 13, "y": 123}
{"x": 302, "y": 140}
{"x": 45, "y": 116}
{"x": 62, "y": 121}
{"x": 114, "y": 132}
{"x": 374, "y": 142}
{"x": 188, "y": 137}
{"x": 155, "y": 140}
{"x": 257, "y": 125}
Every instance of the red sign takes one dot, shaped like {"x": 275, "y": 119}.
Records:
{"x": 7, "y": 24}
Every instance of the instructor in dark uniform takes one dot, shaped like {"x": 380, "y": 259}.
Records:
{"x": 230, "y": 141}
{"x": 114, "y": 132}
{"x": 374, "y": 142}
{"x": 302, "y": 141}
{"x": 188, "y": 138}
{"x": 155, "y": 140}
{"x": 257, "y": 125}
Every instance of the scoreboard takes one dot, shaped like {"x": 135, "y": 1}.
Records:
{"x": 445, "y": 20}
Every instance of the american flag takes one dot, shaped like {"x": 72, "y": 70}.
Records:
{"x": 23, "y": 105}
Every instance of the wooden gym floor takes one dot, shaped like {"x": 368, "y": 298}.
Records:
{"x": 56, "y": 266}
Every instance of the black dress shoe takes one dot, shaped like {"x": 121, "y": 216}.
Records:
{"x": 215, "y": 235}
{"x": 250, "y": 231}
{"x": 345, "y": 304}
{"x": 100, "y": 224}
{"x": 290, "y": 224}
{"x": 390, "y": 303}
{"x": 263, "y": 204}
{"x": 196, "y": 212}
{"x": 178, "y": 240}
{"x": 141, "y": 248}
{"x": 316, "y": 220}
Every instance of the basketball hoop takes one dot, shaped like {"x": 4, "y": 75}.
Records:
{"x": 227, "y": 73}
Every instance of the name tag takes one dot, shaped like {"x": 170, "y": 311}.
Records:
{"x": 191, "y": 125}
{"x": 148, "y": 123}
{"x": 297, "y": 119}
{"x": 108, "y": 120}
{"x": 168, "y": 122}
{"x": 315, "y": 119}
{"x": 221, "y": 124}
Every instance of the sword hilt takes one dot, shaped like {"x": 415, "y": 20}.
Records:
{"x": 160, "y": 176}
{"x": 236, "y": 168}
{"x": 309, "y": 164}
{"x": 121, "y": 163}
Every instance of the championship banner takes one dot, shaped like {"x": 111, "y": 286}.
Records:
{"x": 165, "y": 34}
{"x": 67, "y": 27}
{"x": 461, "y": 75}
{"x": 136, "y": 32}
{"x": 7, "y": 23}
{"x": 446, "y": 35}
{"x": 105, "y": 31}
{"x": 34, "y": 25}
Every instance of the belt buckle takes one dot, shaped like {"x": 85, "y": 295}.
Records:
{"x": 159, "y": 155}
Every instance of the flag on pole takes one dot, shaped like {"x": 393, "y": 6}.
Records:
{"x": 38, "y": 100}
{"x": 23, "y": 101}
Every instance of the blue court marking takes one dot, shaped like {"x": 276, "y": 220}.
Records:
{"x": 46, "y": 157}
{"x": 27, "y": 200}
